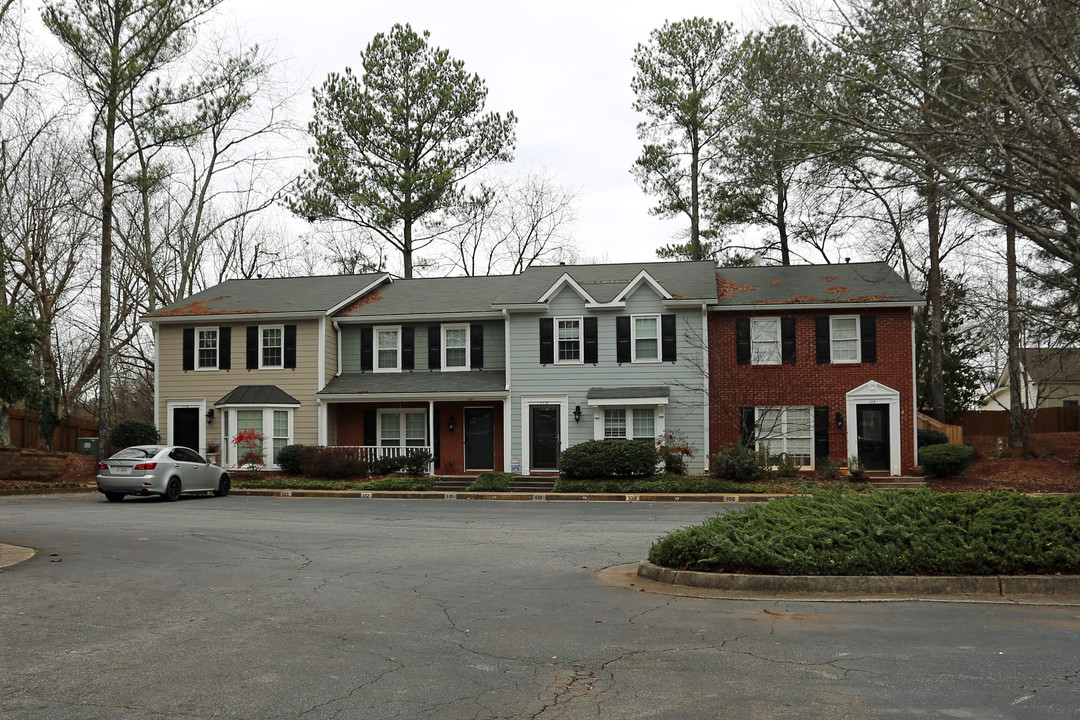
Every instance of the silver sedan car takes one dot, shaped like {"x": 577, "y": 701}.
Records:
{"x": 165, "y": 470}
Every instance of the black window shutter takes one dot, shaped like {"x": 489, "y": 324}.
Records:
{"x": 821, "y": 435}
{"x": 371, "y": 427}
{"x": 289, "y": 353}
{"x": 821, "y": 339}
{"x": 189, "y": 349}
{"x": 224, "y": 348}
{"x": 253, "y": 347}
{"x": 434, "y": 355}
{"x": 591, "y": 354}
{"x": 746, "y": 427}
{"x": 476, "y": 346}
{"x": 667, "y": 338}
{"x": 622, "y": 339}
{"x": 787, "y": 340}
{"x": 547, "y": 341}
{"x": 868, "y": 338}
{"x": 742, "y": 341}
{"x": 407, "y": 348}
{"x": 367, "y": 356}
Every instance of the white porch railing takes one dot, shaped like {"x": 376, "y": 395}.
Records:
{"x": 370, "y": 453}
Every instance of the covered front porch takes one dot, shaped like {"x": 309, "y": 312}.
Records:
{"x": 462, "y": 427}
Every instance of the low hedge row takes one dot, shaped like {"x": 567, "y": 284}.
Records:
{"x": 914, "y": 532}
{"x": 609, "y": 459}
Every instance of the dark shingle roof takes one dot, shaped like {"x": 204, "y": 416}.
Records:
{"x": 1051, "y": 365}
{"x": 432, "y": 296}
{"x": 270, "y": 295}
{"x": 258, "y": 395}
{"x": 813, "y": 284}
{"x": 627, "y": 393}
{"x": 476, "y": 381}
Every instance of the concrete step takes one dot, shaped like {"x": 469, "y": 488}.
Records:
{"x": 897, "y": 483}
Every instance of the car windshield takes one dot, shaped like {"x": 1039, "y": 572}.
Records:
{"x": 134, "y": 453}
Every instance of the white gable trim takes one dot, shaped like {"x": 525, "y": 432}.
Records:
{"x": 357, "y": 295}
{"x": 646, "y": 278}
{"x": 566, "y": 281}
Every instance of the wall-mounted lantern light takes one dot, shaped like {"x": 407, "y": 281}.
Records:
{"x": 577, "y": 413}
{"x": 450, "y": 423}
{"x": 839, "y": 420}
{"x": 210, "y": 416}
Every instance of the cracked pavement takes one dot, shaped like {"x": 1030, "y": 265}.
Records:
{"x": 266, "y": 609}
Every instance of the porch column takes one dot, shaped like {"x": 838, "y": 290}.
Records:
{"x": 431, "y": 433}
{"x": 320, "y": 405}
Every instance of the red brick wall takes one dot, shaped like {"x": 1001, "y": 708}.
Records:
{"x": 732, "y": 386}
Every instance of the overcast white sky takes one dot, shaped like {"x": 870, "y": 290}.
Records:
{"x": 563, "y": 67}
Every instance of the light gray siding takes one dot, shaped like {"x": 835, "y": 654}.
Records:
{"x": 494, "y": 345}
{"x": 685, "y": 378}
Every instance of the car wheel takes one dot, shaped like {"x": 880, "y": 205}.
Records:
{"x": 224, "y": 485}
{"x": 173, "y": 489}
{"x": 114, "y": 497}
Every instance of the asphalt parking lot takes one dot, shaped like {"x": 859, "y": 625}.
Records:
{"x": 266, "y": 608}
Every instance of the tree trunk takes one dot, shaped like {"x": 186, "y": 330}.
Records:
{"x": 934, "y": 296}
{"x": 1017, "y": 388}
{"x": 781, "y": 217}
{"x": 406, "y": 250}
{"x": 695, "y": 201}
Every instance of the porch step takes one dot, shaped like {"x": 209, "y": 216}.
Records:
{"x": 527, "y": 484}
{"x": 454, "y": 483}
{"x": 897, "y": 483}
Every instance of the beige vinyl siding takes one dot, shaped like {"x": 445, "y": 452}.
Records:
{"x": 212, "y": 385}
{"x": 330, "y": 362}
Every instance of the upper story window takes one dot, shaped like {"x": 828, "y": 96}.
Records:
{"x": 646, "y": 338}
{"x": 207, "y": 355}
{"x": 844, "y": 339}
{"x": 388, "y": 349}
{"x": 455, "y": 347}
{"x": 765, "y": 341}
{"x": 271, "y": 347}
{"x": 569, "y": 340}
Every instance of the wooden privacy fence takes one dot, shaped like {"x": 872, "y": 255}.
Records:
{"x": 955, "y": 433}
{"x": 24, "y": 431}
{"x": 996, "y": 422}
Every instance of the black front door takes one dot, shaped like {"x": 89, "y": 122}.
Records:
{"x": 872, "y": 423}
{"x": 479, "y": 439}
{"x": 544, "y": 437}
{"x": 185, "y": 427}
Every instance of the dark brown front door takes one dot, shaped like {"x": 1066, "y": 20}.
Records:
{"x": 873, "y": 428}
{"x": 479, "y": 439}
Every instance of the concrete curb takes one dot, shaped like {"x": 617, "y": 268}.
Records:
{"x": 1058, "y": 588}
{"x": 14, "y": 554}
{"x": 515, "y": 496}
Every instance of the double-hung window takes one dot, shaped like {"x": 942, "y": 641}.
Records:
{"x": 271, "y": 347}
{"x": 387, "y": 349}
{"x": 402, "y": 428}
{"x": 765, "y": 341}
{"x": 206, "y": 358}
{"x": 844, "y": 339}
{"x": 630, "y": 423}
{"x": 646, "y": 338}
{"x": 569, "y": 340}
{"x": 273, "y": 425}
{"x": 455, "y": 347}
{"x": 786, "y": 430}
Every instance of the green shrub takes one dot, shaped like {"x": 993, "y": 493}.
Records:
{"x": 926, "y": 436}
{"x": 675, "y": 449}
{"x": 828, "y": 470}
{"x": 331, "y": 462}
{"x": 133, "y": 432}
{"x": 491, "y": 482}
{"x": 290, "y": 457}
{"x": 946, "y": 460}
{"x": 386, "y": 465}
{"x": 401, "y": 482}
{"x": 610, "y": 459}
{"x": 739, "y": 464}
{"x": 898, "y": 532}
{"x": 786, "y": 468}
{"x": 856, "y": 468}
{"x": 416, "y": 462}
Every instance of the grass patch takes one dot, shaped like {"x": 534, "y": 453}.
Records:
{"x": 912, "y": 532}
{"x": 491, "y": 482}
{"x": 386, "y": 483}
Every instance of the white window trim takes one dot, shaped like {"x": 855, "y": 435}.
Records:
{"x": 229, "y": 449}
{"x": 375, "y": 348}
{"x": 194, "y": 403}
{"x": 779, "y": 341}
{"x": 858, "y": 340}
{"x": 580, "y": 341}
{"x": 526, "y": 431}
{"x": 657, "y": 405}
{"x": 217, "y": 348}
{"x": 634, "y": 338}
{"x": 443, "y": 348}
{"x": 262, "y": 346}
{"x": 871, "y": 393}
{"x": 401, "y": 413}
{"x": 783, "y": 409}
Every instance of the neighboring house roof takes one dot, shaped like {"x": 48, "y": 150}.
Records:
{"x": 258, "y": 395}
{"x": 605, "y": 283}
{"x": 474, "y": 381}
{"x": 1047, "y": 366}
{"x": 813, "y": 285}
{"x": 431, "y": 296}
{"x": 293, "y": 295}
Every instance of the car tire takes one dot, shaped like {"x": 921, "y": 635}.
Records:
{"x": 224, "y": 485}
{"x": 114, "y": 497}
{"x": 173, "y": 489}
